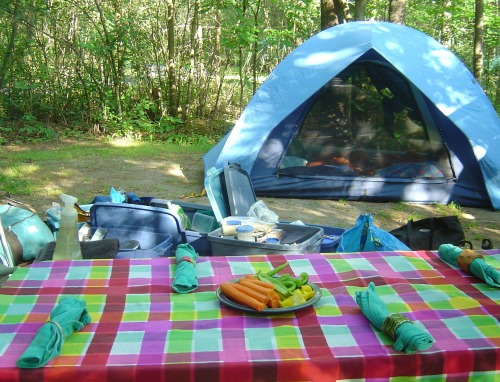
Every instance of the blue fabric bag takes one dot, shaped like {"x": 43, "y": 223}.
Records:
{"x": 365, "y": 236}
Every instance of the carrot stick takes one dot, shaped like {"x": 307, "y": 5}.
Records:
{"x": 259, "y": 282}
{"x": 263, "y": 290}
{"x": 241, "y": 298}
{"x": 274, "y": 296}
{"x": 274, "y": 303}
{"x": 252, "y": 293}
{"x": 251, "y": 277}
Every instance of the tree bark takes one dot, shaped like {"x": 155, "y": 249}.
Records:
{"x": 9, "y": 52}
{"x": 217, "y": 54}
{"x": 240, "y": 57}
{"x": 255, "y": 48}
{"x": 193, "y": 56}
{"x": 359, "y": 10}
{"x": 446, "y": 32}
{"x": 172, "y": 86}
{"x": 397, "y": 10}
{"x": 113, "y": 63}
{"x": 478, "y": 39}
{"x": 333, "y": 12}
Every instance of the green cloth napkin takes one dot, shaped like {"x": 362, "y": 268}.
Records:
{"x": 408, "y": 337}
{"x": 68, "y": 316}
{"x": 185, "y": 278}
{"x": 478, "y": 267}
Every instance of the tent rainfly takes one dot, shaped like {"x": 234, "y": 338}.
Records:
{"x": 369, "y": 111}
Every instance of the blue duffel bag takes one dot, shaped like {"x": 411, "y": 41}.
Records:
{"x": 365, "y": 236}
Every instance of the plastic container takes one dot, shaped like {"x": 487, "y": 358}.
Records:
{"x": 199, "y": 241}
{"x": 157, "y": 230}
{"x": 179, "y": 213}
{"x": 331, "y": 238}
{"x": 272, "y": 240}
{"x": 230, "y": 224}
{"x": 203, "y": 223}
{"x": 245, "y": 232}
{"x": 162, "y": 249}
{"x": 297, "y": 239}
{"x": 67, "y": 243}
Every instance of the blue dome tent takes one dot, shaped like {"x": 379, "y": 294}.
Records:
{"x": 369, "y": 111}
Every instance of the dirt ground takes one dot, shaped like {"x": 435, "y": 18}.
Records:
{"x": 179, "y": 176}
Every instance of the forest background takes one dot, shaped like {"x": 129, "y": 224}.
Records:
{"x": 182, "y": 71}
{"x": 170, "y": 77}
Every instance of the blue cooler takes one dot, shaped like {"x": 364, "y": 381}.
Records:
{"x": 155, "y": 231}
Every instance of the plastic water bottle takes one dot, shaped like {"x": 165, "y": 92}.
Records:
{"x": 67, "y": 242}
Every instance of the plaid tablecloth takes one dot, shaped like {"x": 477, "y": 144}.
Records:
{"x": 142, "y": 331}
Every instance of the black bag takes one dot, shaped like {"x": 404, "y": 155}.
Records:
{"x": 430, "y": 233}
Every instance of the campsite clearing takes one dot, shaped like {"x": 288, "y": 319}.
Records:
{"x": 85, "y": 169}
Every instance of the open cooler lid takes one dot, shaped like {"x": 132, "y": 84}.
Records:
{"x": 215, "y": 185}
{"x": 240, "y": 193}
{"x": 229, "y": 191}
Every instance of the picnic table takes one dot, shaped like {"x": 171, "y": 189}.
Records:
{"x": 141, "y": 330}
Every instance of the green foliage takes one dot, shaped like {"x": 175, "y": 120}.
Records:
{"x": 99, "y": 65}
{"x": 5, "y": 132}
{"x": 187, "y": 140}
{"x": 32, "y": 130}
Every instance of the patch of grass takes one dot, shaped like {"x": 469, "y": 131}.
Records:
{"x": 384, "y": 214}
{"x": 415, "y": 216}
{"x": 449, "y": 209}
{"x": 113, "y": 148}
{"x": 13, "y": 183}
{"x": 469, "y": 224}
{"x": 399, "y": 206}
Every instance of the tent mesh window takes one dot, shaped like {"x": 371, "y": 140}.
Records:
{"x": 369, "y": 121}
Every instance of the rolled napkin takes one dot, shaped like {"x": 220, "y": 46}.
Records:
{"x": 185, "y": 278}
{"x": 471, "y": 262}
{"x": 68, "y": 316}
{"x": 408, "y": 337}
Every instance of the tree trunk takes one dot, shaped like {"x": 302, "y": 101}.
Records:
{"x": 9, "y": 52}
{"x": 478, "y": 39}
{"x": 446, "y": 32}
{"x": 359, "y": 10}
{"x": 217, "y": 68}
{"x": 333, "y": 12}
{"x": 113, "y": 63}
{"x": 397, "y": 10}
{"x": 240, "y": 58}
{"x": 193, "y": 55}
{"x": 255, "y": 49}
{"x": 172, "y": 87}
